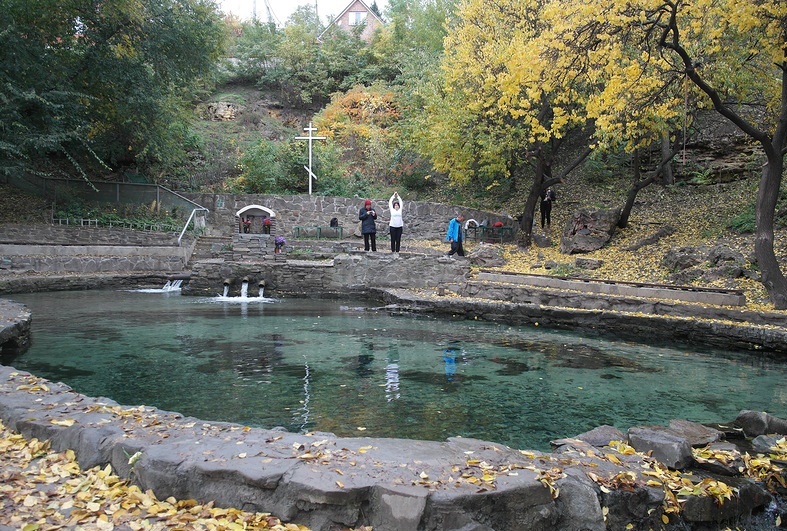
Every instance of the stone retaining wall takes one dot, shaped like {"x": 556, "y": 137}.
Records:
{"x": 720, "y": 298}
{"x": 62, "y": 249}
{"x": 15, "y": 321}
{"x": 422, "y": 220}
{"x": 639, "y": 303}
{"x": 107, "y": 281}
{"x": 635, "y": 326}
{"x": 43, "y": 234}
{"x": 346, "y": 273}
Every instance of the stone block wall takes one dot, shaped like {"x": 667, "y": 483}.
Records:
{"x": 92, "y": 264}
{"x": 422, "y": 220}
{"x": 43, "y": 234}
{"x": 346, "y": 274}
{"x": 61, "y": 249}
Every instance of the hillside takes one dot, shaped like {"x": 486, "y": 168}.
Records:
{"x": 699, "y": 216}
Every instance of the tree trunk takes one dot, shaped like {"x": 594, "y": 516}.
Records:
{"x": 526, "y": 225}
{"x": 639, "y": 184}
{"x": 667, "y": 177}
{"x": 772, "y": 277}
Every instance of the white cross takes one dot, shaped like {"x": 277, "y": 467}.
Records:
{"x": 310, "y": 138}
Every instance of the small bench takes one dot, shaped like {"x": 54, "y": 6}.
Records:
{"x": 330, "y": 232}
{"x": 501, "y": 233}
{"x": 319, "y": 230}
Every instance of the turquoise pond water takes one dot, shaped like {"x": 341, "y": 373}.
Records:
{"x": 346, "y": 368}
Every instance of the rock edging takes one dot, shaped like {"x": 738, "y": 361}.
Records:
{"x": 329, "y": 483}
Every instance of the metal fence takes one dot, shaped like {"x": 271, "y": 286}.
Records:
{"x": 136, "y": 225}
{"x": 156, "y": 197}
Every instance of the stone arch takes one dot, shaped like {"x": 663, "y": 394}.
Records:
{"x": 254, "y": 213}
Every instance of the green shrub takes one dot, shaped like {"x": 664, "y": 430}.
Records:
{"x": 701, "y": 176}
{"x": 745, "y": 222}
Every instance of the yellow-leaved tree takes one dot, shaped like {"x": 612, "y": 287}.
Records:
{"x": 504, "y": 111}
{"x": 728, "y": 55}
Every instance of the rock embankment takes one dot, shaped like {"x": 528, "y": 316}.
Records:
{"x": 648, "y": 478}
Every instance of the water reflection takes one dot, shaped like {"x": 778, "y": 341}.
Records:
{"x": 392, "y": 375}
{"x": 317, "y": 365}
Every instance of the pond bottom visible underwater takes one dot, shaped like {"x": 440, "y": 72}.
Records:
{"x": 349, "y": 368}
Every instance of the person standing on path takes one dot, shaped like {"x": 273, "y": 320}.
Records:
{"x": 454, "y": 235}
{"x": 547, "y": 197}
{"x": 396, "y": 225}
{"x": 367, "y": 215}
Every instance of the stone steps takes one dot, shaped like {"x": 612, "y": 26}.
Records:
{"x": 210, "y": 247}
{"x": 691, "y": 294}
{"x": 559, "y": 293}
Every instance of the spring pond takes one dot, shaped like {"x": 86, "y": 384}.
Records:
{"x": 350, "y": 368}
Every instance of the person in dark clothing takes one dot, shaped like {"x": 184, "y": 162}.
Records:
{"x": 367, "y": 215}
{"x": 548, "y": 196}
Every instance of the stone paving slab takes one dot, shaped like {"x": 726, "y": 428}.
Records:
{"x": 687, "y": 294}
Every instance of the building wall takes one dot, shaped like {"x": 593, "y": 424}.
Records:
{"x": 345, "y": 22}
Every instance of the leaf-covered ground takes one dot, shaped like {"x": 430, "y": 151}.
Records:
{"x": 44, "y": 490}
{"x": 699, "y": 214}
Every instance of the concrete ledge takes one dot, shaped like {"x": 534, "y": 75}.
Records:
{"x": 94, "y": 250}
{"x": 746, "y": 334}
{"x": 688, "y": 294}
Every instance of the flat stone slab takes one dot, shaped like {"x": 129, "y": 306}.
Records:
{"x": 715, "y": 297}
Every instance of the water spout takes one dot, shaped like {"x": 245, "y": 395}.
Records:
{"x": 243, "y": 297}
{"x": 172, "y": 285}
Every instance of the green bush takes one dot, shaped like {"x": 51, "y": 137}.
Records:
{"x": 745, "y": 222}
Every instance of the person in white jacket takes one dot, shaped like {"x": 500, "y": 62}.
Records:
{"x": 396, "y": 224}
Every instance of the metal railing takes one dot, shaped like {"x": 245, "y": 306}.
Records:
{"x": 135, "y": 225}
{"x": 193, "y": 216}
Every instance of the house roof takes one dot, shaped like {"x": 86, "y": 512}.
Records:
{"x": 346, "y": 9}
